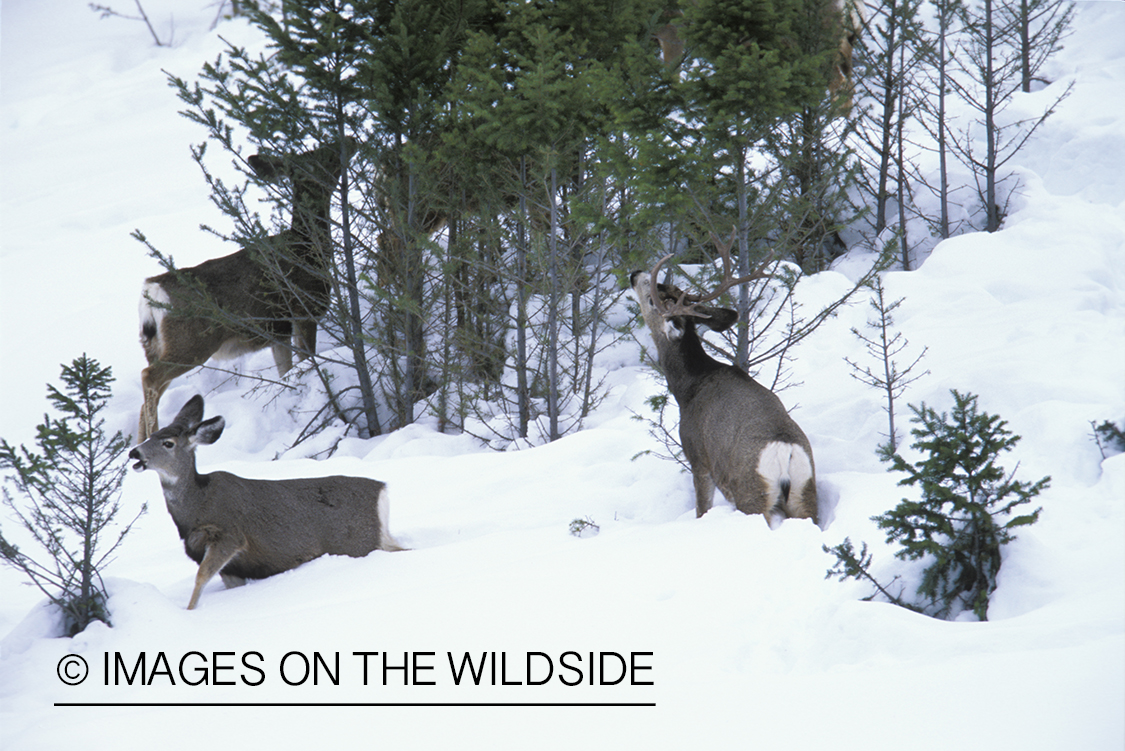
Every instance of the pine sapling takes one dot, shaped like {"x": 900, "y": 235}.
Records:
{"x": 965, "y": 515}
{"x": 883, "y": 345}
{"x": 70, "y": 490}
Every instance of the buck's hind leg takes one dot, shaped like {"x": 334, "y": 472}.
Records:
{"x": 282, "y": 358}
{"x": 704, "y": 491}
{"x": 801, "y": 501}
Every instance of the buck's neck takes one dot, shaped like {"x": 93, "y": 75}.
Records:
{"x": 684, "y": 360}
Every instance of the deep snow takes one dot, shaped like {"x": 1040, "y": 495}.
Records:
{"x": 750, "y": 645}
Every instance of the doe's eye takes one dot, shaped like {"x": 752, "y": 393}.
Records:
{"x": 168, "y": 444}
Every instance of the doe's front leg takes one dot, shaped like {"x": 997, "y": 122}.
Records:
{"x": 219, "y": 553}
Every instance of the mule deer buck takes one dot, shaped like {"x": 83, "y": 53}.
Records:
{"x": 735, "y": 432}
{"x": 250, "y": 529}
{"x": 257, "y": 297}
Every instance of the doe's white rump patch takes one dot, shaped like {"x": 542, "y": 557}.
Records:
{"x": 152, "y": 307}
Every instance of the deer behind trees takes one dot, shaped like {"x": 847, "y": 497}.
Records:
{"x": 845, "y": 18}
{"x": 251, "y": 529}
{"x": 735, "y": 433}
{"x": 267, "y": 296}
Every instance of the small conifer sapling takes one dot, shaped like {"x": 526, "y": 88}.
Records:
{"x": 965, "y": 515}
{"x": 70, "y": 491}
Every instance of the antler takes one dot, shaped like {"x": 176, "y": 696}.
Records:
{"x": 687, "y": 304}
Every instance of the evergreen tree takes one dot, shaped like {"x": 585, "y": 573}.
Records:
{"x": 369, "y": 76}
{"x": 1109, "y": 437}
{"x": 71, "y": 490}
{"x": 965, "y": 514}
{"x": 534, "y": 95}
{"x": 747, "y": 75}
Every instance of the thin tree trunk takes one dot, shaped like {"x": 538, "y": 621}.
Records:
{"x": 990, "y": 167}
{"x": 523, "y": 396}
{"x": 553, "y": 315}
{"x": 943, "y": 189}
{"x": 742, "y": 351}
{"x": 353, "y": 321}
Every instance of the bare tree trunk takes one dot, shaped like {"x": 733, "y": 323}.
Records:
{"x": 901, "y": 162}
{"x": 992, "y": 209}
{"x": 942, "y": 145}
{"x": 553, "y": 313}
{"x": 352, "y": 322}
{"x": 523, "y": 396}
{"x": 742, "y": 347}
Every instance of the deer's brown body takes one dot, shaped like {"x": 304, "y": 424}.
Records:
{"x": 267, "y": 296}
{"x": 735, "y": 433}
{"x": 251, "y": 529}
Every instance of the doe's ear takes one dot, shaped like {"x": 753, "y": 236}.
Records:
{"x": 265, "y": 166}
{"x": 207, "y": 432}
{"x": 191, "y": 413}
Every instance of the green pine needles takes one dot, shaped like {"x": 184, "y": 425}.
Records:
{"x": 967, "y": 511}
{"x": 70, "y": 491}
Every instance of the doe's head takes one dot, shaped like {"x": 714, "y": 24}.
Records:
{"x": 171, "y": 449}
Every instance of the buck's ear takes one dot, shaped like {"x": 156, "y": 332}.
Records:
{"x": 207, "y": 432}
{"x": 720, "y": 319}
{"x": 191, "y": 413}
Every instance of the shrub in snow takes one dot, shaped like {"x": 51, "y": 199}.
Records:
{"x": 1109, "y": 437}
{"x": 964, "y": 515}
{"x": 71, "y": 496}
{"x": 584, "y": 527}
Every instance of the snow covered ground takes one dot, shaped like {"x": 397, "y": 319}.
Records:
{"x": 732, "y": 630}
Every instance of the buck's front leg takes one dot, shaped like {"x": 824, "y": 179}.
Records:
{"x": 220, "y": 551}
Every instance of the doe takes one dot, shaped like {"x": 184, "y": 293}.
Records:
{"x": 253, "y": 298}
{"x": 250, "y": 529}
{"x": 735, "y": 433}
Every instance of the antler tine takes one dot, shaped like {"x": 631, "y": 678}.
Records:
{"x": 661, "y": 307}
{"x": 728, "y": 279}
{"x": 688, "y": 304}
{"x": 667, "y": 310}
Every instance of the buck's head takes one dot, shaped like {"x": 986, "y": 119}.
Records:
{"x": 669, "y": 312}
{"x": 170, "y": 451}
{"x": 672, "y": 313}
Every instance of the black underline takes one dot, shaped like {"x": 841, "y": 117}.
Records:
{"x": 359, "y": 704}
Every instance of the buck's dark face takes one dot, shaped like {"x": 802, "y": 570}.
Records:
{"x": 673, "y": 326}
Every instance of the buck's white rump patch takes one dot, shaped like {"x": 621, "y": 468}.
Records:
{"x": 784, "y": 463}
